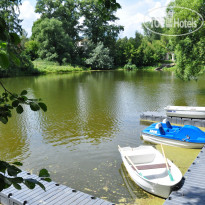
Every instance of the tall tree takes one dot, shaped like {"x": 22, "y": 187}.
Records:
{"x": 98, "y": 24}
{"x": 152, "y": 30}
{"x": 100, "y": 58}
{"x": 189, "y": 49}
{"x": 66, "y": 11}
{"x": 15, "y": 59}
{"x": 56, "y": 45}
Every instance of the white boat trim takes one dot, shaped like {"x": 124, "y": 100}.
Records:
{"x": 176, "y": 143}
{"x": 185, "y": 111}
{"x": 185, "y": 108}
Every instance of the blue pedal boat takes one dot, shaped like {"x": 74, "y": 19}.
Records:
{"x": 186, "y": 136}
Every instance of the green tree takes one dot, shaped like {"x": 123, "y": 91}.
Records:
{"x": 126, "y": 50}
{"x": 149, "y": 53}
{"x": 120, "y": 57}
{"x": 11, "y": 52}
{"x": 98, "y": 22}
{"x": 149, "y": 27}
{"x": 66, "y": 11}
{"x": 56, "y": 45}
{"x": 189, "y": 49}
{"x": 31, "y": 49}
{"x": 100, "y": 58}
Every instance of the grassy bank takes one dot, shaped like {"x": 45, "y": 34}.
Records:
{"x": 46, "y": 67}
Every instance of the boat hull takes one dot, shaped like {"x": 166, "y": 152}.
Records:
{"x": 153, "y": 188}
{"x": 185, "y": 114}
{"x": 185, "y": 111}
{"x": 162, "y": 140}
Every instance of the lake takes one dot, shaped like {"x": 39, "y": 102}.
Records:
{"x": 89, "y": 114}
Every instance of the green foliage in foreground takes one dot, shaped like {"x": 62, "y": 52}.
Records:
{"x": 8, "y": 172}
{"x": 9, "y": 42}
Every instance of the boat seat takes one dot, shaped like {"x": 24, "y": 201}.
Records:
{"x": 168, "y": 125}
{"x": 151, "y": 166}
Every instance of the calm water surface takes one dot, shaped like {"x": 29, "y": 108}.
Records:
{"x": 89, "y": 114}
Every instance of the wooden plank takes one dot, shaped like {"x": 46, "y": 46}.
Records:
{"x": 65, "y": 194}
{"x": 72, "y": 197}
{"x": 80, "y": 199}
{"x": 39, "y": 196}
{"x": 151, "y": 166}
{"x": 90, "y": 201}
{"x": 26, "y": 195}
{"x": 56, "y": 194}
{"x": 53, "y": 192}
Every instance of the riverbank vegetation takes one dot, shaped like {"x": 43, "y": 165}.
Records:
{"x": 76, "y": 35}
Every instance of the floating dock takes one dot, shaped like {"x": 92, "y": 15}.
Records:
{"x": 157, "y": 117}
{"x": 55, "y": 194}
{"x": 193, "y": 184}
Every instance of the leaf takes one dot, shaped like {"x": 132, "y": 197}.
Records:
{"x": 24, "y": 92}
{"x": 3, "y": 166}
{"x": 16, "y": 180}
{"x": 19, "y": 109}
{"x": 44, "y": 173}
{"x": 34, "y": 106}
{"x": 17, "y": 186}
{"x": 14, "y": 38}
{"x": 30, "y": 183}
{"x": 15, "y": 103}
{"x": 3, "y": 45}
{"x": 4, "y": 60}
{"x": 43, "y": 106}
{"x": 14, "y": 58}
{"x": 18, "y": 163}
{"x": 2, "y": 184}
{"x": 12, "y": 170}
{"x": 7, "y": 180}
{"x": 46, "y": 179}
{"x": 4, "y": 120}
{"x": 23, "y": 98}
{"x": 41, "y": 185}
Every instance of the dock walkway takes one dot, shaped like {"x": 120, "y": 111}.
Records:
{"x": 158, "y": 117}
{"x": 55, "y": 195}
{"x": 193, "y": 188}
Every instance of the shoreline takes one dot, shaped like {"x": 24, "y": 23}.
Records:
{"x": 42, "y": 67}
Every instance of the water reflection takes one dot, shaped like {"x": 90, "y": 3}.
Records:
{"x": 89, "y": 114}
{"x": 135, "y": 191}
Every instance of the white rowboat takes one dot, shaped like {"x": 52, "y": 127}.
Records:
{"x": 147, "y": 167}
{"x": 185, "y": 111}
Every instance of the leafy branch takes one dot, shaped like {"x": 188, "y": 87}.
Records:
{"x": 9, "y": 101}
{"x": 8, "y": 177}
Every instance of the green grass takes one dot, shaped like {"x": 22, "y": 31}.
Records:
{"x": 46, "y": 67}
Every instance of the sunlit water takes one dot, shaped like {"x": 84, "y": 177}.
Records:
{"x": 89, "y": 114}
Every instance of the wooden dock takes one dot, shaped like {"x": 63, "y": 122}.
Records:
{"x": 158, "y": 117}
{"x": 55, "y": 194}
{"x": 193, "y": 188}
